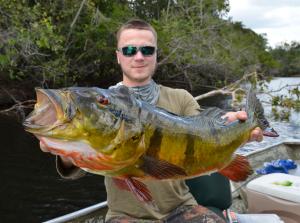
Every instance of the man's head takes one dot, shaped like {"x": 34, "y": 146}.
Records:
{"x": 136, "y": 52}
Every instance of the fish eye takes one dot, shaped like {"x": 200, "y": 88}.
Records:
{"x": 102, "y": 100}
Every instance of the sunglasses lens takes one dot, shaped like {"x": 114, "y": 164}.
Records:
{"x": 129, "y": 50}
{"x": 132, "y": 50}
{"x": 147, "y": 50}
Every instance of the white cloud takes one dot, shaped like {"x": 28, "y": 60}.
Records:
{"x": 280, "y": 20}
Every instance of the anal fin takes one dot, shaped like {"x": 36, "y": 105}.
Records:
{"x": 138, "y": 188}
{"x": 238, "y": 170}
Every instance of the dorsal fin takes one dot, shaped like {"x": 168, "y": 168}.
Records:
{"x": 210, "y": 116}
{"x": 213, "y": 112}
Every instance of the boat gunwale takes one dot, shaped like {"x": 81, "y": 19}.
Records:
{"x": 79, "y": 213}
{"x": 286, "y": 142}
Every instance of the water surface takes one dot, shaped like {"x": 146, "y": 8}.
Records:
{"x": 31, "y": 190}
{"x": 288, "y": 130}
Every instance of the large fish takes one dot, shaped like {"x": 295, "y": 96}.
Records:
{"x": 111, "y": 133}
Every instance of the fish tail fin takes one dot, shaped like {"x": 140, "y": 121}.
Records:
{"x": 238, "y": 170}
{"x": 256, "y": 114}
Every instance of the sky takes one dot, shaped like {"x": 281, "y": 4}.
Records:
{"x": 278, "y": 19}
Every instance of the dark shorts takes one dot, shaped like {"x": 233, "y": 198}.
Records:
{"x": 188, "y": 214}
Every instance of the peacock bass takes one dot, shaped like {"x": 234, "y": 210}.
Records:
{"x": 110, "y": 132}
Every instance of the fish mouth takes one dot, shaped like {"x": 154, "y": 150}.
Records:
{"x": 47, "y": 112}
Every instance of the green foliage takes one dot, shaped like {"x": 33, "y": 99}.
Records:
{"x": 283, "y": 105}
{"x": 207, "y": 49}
{"x": 287, "y": 57}
{"x": 68, "y": 42}
{"x": 46, "y": 42}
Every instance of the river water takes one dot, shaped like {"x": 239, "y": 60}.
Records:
{"x": 288, "y": 130}
{"x": 31, "y": 190}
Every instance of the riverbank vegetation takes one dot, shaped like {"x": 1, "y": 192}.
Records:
{"x": 61, "y": 43}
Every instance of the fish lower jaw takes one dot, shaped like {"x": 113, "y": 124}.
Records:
{"x": 63, "y": 147}
{"x": 83, "y": 155}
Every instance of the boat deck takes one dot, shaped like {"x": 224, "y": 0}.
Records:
{"x": 283, "y": 150}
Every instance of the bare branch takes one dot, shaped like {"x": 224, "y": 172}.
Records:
{"x": 230, "y": 89}
{"x": 75, "y": 19}
{"x": 167, "y": 57}
{"x": 77, "y": 14}
{"x": 20, "y": 106}
{"x": 213, "y": 93}
{"x": 283, "y": 87}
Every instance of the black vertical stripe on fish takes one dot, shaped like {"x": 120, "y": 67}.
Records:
{"x": 155, "y": 142}
{"x": 189, "y": 151}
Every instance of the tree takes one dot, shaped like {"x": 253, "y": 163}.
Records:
{"x": 288, "y": 58}
{"x": 61, "y": 43}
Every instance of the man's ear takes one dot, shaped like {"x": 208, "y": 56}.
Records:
{"x": 117, "y": 54}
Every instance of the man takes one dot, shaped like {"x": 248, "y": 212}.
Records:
{"x": 136, "y": 54}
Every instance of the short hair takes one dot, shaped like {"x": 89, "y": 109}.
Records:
{"x": 136, "y": 24}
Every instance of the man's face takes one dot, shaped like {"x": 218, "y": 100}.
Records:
{"x": 137, "y": 69}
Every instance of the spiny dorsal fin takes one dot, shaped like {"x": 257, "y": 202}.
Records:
{"x": 211, "y": 116}
{"x": 213, "y": 112}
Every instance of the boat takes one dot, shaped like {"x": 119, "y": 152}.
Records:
{"x": 243, "y": 191}
{"x": 288, "y": 149}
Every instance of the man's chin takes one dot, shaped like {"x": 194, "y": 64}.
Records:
{"x": 139, "y": 77}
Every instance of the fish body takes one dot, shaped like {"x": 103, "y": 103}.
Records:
{"x": 110, "y": 132}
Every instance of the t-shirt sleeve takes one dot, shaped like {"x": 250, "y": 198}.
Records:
{"x": 190, "y": 105}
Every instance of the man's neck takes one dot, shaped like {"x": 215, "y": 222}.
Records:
{"x": 129, "y": 83}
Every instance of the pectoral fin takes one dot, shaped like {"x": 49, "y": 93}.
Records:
{"x": 161, "y": 169}
{"x": 238, "y": 170}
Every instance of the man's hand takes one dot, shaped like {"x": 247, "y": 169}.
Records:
{"x": 67, "y": 163}
{"x": 256, "y": 134}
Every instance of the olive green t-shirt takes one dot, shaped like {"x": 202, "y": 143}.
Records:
{"x": 167, "y": 194}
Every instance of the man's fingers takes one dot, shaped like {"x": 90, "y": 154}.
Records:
{"x": 43, "y": 147}
{"x": 256, "y": 135}
{"x": 241, "y": 115}
{"x": 67, "y": 161}
{"x": 233, "y": 116}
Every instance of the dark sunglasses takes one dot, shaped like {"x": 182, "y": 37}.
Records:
{"x": 130, "y": 51}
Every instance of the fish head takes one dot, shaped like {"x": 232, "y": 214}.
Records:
{"x": 52, "y": 109}
{"x": 100, "y": 119}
